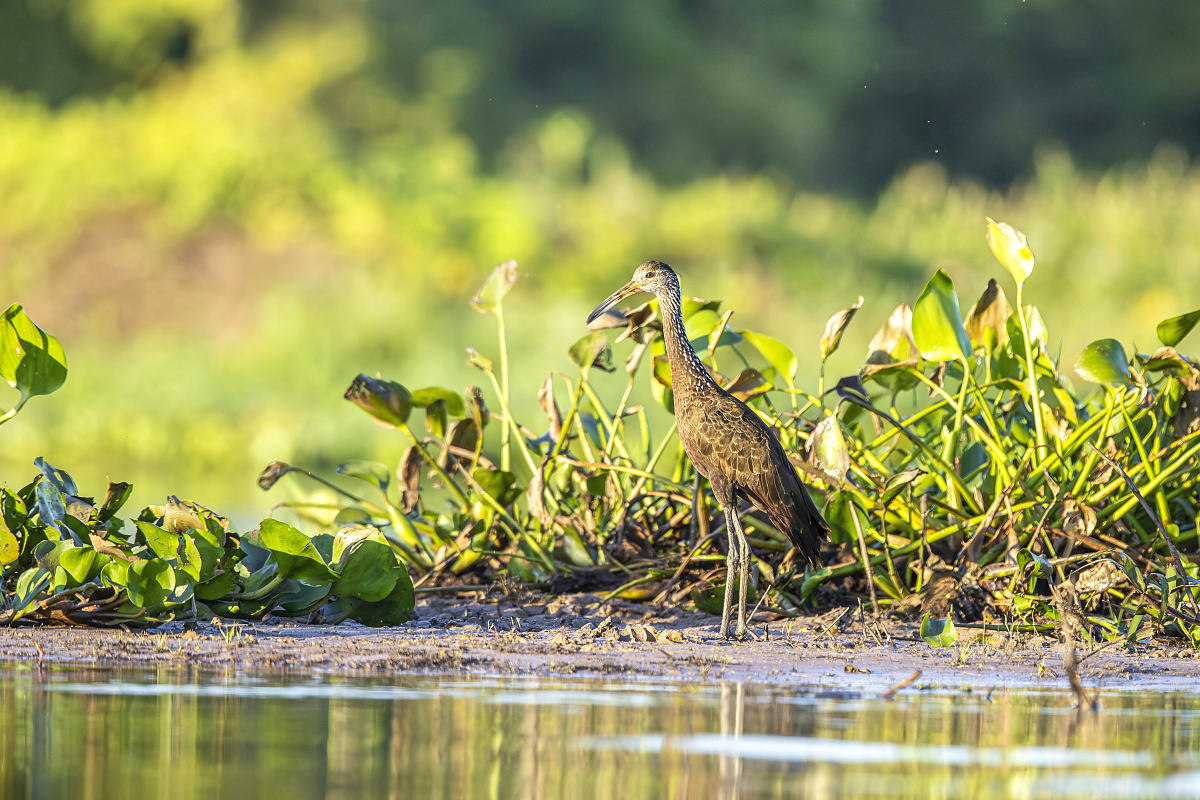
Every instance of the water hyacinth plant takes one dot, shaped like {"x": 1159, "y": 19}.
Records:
{"x": 962, "y": 470}
{"x": 965, "y": 477}
{"x": 68, "y": 559}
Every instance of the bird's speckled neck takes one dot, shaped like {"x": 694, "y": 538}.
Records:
{"x": 687, "y": 372}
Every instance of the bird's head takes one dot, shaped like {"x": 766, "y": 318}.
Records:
{"x": 650, "y": 276}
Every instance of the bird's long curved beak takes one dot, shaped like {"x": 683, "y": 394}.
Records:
{"x": 631, "y": 288}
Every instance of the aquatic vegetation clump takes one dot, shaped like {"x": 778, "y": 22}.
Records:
{"x": 964, "y": 474}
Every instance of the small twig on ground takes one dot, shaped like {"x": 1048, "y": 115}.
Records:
{"x": 904, "y": 684}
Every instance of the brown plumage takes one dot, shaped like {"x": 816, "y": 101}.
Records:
{"x": 727, "y": 442}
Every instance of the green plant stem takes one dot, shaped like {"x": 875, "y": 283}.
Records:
{"x": 576, "y": 395}
{"x": 992, "y": 446}
{"x": 618, "y": 417}
{"x": 1031, "y": 369}
{"x": 1091, "y": 459}
{"x": 502, "y": 389}
{"x": 510, "y": 423}
{"x": 610, "y": 424}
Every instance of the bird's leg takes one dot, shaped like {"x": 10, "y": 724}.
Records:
{"x": 743, "y": 572}
{"x": 731, "y": 567}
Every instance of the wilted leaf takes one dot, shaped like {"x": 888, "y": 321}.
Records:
{"x": 272, "y": 473}
{"x": 592, "y": 350}
{"x": 491, "y": 294}
{"x": 546, "y": 400}
{"x": 1172, "y": 331}
{"x": 836, "y": 326}
{"x": 827, "y": 448}
{"x": 939, "y": 632}
{"x": 179, "y": 516}
{"x": 463, "y": 436}
{"x": 892, "y": 351}
{"x": 987, "y": 320}
{"x": 535, "y": 499}
{"x": 1167, "y": 359}
{"x": 386, "y": 401}
{"x": 408, "y": 473}
{"x": 476, "y": 408}
{"x": 777, "y": 354}
{"x": 1010, "y": 248}
{"x": 749, "y": 383}
{"x": 115, "y": 497}
{"x": 31, "y": 360}
{"x": 1104, "y": 361}
{"x": 1078, "y": 519}
{"x": 937, "y": 322}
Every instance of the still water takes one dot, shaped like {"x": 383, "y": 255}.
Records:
{"x": 147, "y": 734}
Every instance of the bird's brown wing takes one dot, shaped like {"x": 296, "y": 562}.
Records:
{"x": 734, "y": 445}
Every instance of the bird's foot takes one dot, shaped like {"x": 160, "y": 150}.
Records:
{"x": 742, "y": 633}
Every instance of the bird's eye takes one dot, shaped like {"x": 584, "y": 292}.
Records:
{"x": 649, "y": 274}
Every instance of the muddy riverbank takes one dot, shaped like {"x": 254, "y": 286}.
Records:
{"x": 577, "y": 635}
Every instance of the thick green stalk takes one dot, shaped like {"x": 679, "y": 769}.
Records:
{"x": 510, "y": 424}
{"x": 1032, "y": 371}
{"x": 505, "y": 458}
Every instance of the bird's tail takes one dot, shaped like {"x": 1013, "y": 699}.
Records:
{"x": 806, "y": 527}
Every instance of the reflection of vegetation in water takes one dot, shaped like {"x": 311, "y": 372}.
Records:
{"x": 568, "y": 740}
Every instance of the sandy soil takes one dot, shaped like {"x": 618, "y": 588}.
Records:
{"x": 576, "y": 635}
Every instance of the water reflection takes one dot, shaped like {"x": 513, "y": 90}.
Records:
{"x": 162, "y": 734}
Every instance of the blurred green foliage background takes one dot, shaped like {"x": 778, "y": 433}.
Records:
{"x": 226, "y": 209}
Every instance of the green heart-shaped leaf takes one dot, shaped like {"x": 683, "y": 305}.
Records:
{"x": 939, "y": 632}
{"x": 1104, "y": 361}
{"x": 81, "y": 564}
{"x": 149, "y": 582}
{"x": 368, "y": 571}
{"x": 295, "y": 553}
{"x": 395, "y": 609}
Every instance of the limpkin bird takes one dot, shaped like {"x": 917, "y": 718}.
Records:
{"x": 727, "y": 443}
